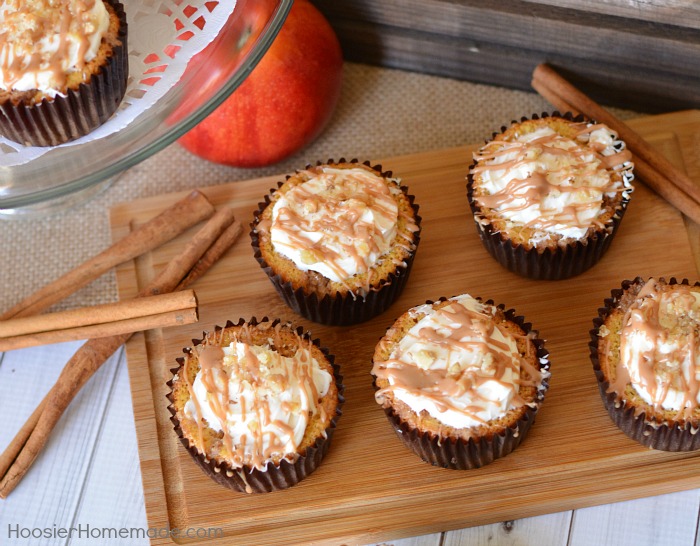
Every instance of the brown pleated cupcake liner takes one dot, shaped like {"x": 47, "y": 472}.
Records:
{"x": 475, "y": 452}
{"x": 274, "y": 477}
{"x": 458, "y": 454}
{"x": 62, "y": 119}
{"x": 551, "y": 264}
{"x": 665, "y": 435}
{"x": 339, "y": 309}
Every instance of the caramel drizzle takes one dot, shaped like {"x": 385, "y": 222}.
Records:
{"x": 264, "y": 430}
{"x": 469, "y": 331}
{"x": 211, "y": 360}
{"x": 342, "y": 225}
{"x": 659, "y": 372}
{"x": 520, "y": 194}
{"x": 69, "y": 21}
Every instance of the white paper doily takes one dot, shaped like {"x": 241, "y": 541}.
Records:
{"x": 163, "y": 36}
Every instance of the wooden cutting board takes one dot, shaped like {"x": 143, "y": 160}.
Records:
{"x": 370, "y": 488}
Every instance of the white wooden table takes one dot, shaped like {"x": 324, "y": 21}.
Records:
{"x": 88, "y": 477}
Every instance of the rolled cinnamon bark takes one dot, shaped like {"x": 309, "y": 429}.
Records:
{"x": 166, "y": 226}
{"x": 18, "y": 457}
{"x": 100, "y": 320}
{"x": 653, "y": 168}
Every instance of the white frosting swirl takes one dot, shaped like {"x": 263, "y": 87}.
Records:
{"x": 43, "y": 40}
{"x": 549, "y": 182}
{"x": 659, "y": 348}
{"x": 269, "y": 399}
{"x": 338, "y": 223}
{"x": 455, "y": 364}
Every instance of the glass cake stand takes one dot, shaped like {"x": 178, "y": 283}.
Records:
{"x": 68, "y": 175}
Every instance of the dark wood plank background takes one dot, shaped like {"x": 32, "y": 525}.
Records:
{"x": 638, "y": 55}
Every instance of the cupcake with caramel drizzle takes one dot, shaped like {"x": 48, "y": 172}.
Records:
{"x": 63, "y": 68}
{"x": 256, "y": 404}
{"x": 460, "y": 380}
{"x": 548, "y": 194}
{"x": 337, "y": 241}
{"x": 646, "y": 355}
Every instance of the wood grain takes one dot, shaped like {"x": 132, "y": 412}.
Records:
{"x": 627, "y": 62}
{"x": 671, "y": 12}
{"x": 552, "y": 529}
{"x": 611, "y": 524}
{"x": 52, "y": 495}
{"x": 370, "y": 488}
{"x": 613, "y": 84}
{"x": 571, "y": 33}
{"x": 126, "y": 508}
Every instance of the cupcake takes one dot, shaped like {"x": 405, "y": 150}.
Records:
{"x": 460, "y": 380}
{"x": 337, "y": 241}
{"x": 645, "y": 349}
{"x": 63, "y": 68}
{"x": 548, "y": 194}
{"x": 256, "y": 404}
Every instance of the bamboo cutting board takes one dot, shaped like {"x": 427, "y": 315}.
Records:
{"x": 369, "y": 487}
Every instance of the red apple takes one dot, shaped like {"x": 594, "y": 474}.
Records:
{"x": 283, "y": 104}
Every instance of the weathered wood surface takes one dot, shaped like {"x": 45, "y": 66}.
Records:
{"x": 631, "y": 61}
{"x": 683, "y": 13}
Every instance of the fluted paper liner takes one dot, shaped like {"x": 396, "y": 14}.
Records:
{"x": 275, "y": 477}
{"x": 339, "y": 309}
{"x": 57, "y": 120}
{"x": 551, "y": 264}
{"x": 461, "y": 454}
{"x": 664, "y": 435}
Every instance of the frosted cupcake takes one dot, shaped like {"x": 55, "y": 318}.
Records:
{"x": 63, "y": 68}
{"x": 460, "y": 380}
{"x": 548, "y": 194}
{"x": 256, "y": 404}
{"x": 645, "y": 350}
{"x": 337, "y": 241}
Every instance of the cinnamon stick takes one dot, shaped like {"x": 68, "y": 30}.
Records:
{"x": 100, "y": 320}
{"x": 166, "y": 226}
{"x": 16, "y": 461}
{"x": 11, "y": 452}
{"x": 560, "y": 103}
{"x": 548, "y": 76}
{"x": 651, "y": 166}
{"x": 213, "y": 253}
{"x": 179, "y": 267}
{"x": 82, "y": 365}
